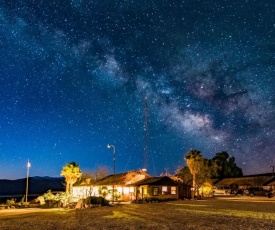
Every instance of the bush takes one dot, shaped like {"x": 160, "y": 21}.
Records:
{"x": 10, "y": 202}
{"x": 97, "y": 200}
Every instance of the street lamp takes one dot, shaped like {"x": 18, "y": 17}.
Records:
{"x": 27, "y": 181}
{"x": 114, "y": 168}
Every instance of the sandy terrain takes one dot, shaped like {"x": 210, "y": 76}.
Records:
{"x": 216, "y": 213}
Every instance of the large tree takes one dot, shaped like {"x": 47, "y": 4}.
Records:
{"x": 92, "y": 176}
{"x": 71, "y": 172}
{"x": 101, "y": 171}
{"x": 225, "y": 166}
{"x": 185, "y": 175}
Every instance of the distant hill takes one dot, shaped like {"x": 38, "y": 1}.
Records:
{"x": 37, "y": 185}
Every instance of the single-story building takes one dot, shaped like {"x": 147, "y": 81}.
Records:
{"x": 122, "y": 184}
{"x": 133, "y": 185}
{"x": 270, "y": 185}
{"x": 259, "y": 181}
{"x": 161, "y": 188}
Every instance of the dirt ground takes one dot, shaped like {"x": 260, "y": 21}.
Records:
{"x": 215, "y": 213}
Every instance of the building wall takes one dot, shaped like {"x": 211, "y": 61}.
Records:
{"x": 83, "y": 191}
{"x": 184, "y": 192}
{"x": 159, "y": 192}
{"x": 126, "y": 193}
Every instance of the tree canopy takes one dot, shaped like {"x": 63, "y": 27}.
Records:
{"x": 71, "y": 172}
{"x": 186, "y": 176}
{"x": 225, "y": 166}
{"x": 200, "y": 170}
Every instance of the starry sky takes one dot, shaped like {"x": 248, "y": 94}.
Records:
{"x": 74, "y": 75}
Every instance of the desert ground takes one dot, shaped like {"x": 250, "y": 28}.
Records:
{"x": 213, "y": 213}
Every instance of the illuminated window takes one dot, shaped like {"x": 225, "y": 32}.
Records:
{"x": 173, "y": 190}
{"x": 164, "y": 189}
{"x": 119, "y": 189}
{"x": 126, "y": 191}
{"x": 155, "y": 191}
{"x": 144, "y": 191}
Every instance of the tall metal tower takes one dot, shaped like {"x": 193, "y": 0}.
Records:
{"x": 146, "y": 120}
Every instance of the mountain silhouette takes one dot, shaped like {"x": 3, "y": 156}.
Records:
{"x": 37, "y": 185}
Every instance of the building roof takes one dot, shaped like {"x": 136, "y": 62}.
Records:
{"x": 253, "y": 180}
{"x": 270, "y": 182}
{"x": 117, "y": 179}
{"x": 123, "y": 179}
{"x": 157, "y": 181}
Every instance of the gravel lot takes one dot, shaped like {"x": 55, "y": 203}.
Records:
{"x": 214, "y": 213}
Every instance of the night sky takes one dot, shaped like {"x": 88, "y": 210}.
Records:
{"x": 74, "y": 75}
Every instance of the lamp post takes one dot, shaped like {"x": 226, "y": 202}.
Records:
{"x": 114, "y": 168}
{"x": 27, "y": 181}
{"x": 272, "y": 170}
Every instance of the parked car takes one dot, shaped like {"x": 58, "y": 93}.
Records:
{"x": 270, "y": 194}
{"x": 221, "y": 190}
{"x": 239, "y": 192}
{"x": 255, "y": 192}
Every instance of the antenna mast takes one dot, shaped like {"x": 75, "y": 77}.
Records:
{"x": 145, "y": 133}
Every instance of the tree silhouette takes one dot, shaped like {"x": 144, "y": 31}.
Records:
{"x": 225, "y": 166}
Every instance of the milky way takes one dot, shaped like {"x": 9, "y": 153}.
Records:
{"x": 75, "y": 75}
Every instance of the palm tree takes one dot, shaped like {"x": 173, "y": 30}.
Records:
{"x": 71, "y": 172}
{"x": 194, "y": 161}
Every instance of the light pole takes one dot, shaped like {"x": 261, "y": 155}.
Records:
{"x": 272, "y": 170}
{"x": 27, "y": 181}
{"x": 114, "y": 168}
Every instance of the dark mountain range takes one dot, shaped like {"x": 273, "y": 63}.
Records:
{"x": 37, "y": 185}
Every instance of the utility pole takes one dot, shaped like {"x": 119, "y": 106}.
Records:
{"x": 27, "y": 181}
{"x": 273, "y": 175}
{"x": 114, "y": 169}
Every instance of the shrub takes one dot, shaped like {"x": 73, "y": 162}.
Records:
{"x": 11, "y": 202}
{"x": 97, "y": 200}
